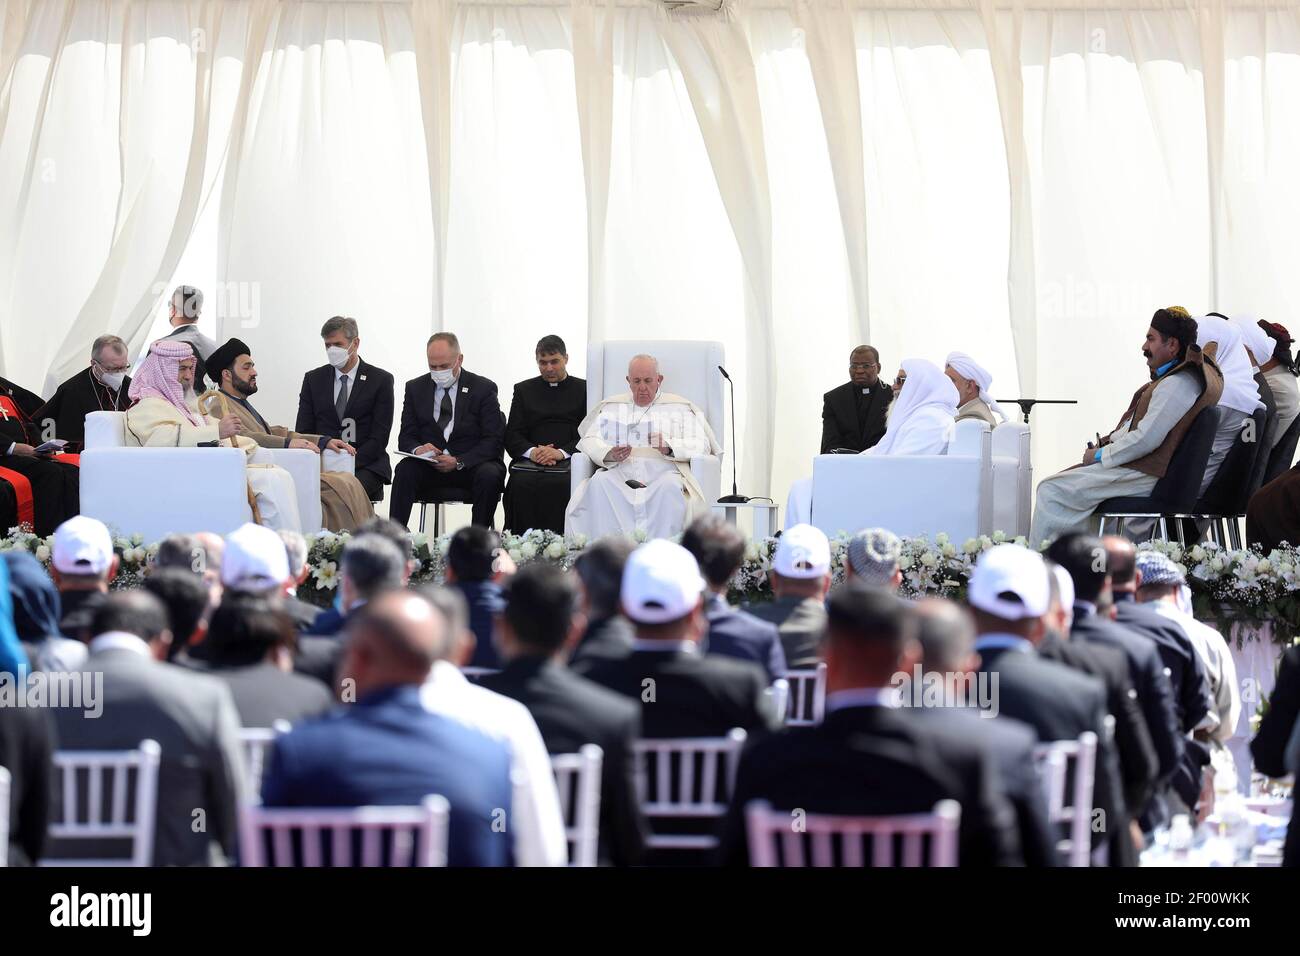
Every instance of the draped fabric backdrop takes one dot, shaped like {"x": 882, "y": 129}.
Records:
{"x": 1024, "y": 180}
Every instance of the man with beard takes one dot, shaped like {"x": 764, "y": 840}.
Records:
{"x": 345, "y": 506}
{"x": 102, "y": 387}
{"x": 36, "y": 488}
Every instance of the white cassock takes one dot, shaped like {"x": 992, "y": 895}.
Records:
{"x": 154, "y": 422}
{"x": 604, "y": 504}
{"x": 922, "y": 424}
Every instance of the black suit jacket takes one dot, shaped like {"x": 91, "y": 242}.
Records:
{"x": 535, "y": 418}
{"x": 1191, "y": 686}
{"x": 1269, "y": 746}
{"x": 264, "y": 694}
{"x": 606, "y": 638}
{"x": 572, "y": 711}
{"x": 840, "y": 417}
{"x": 873, "y": 761}
{"x": 690, "y": 695}
{"x": 478, "y": 428}
{"x": 26, "y": 749}
{"x": 370, "y": 406}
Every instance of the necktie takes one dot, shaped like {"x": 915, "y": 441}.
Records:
{"x": 444, "y": 412}
{"x": 341, "y": 402}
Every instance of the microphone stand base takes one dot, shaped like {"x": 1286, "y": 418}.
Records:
{"x": 734, "y": 500}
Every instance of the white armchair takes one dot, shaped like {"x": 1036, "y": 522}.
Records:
{"x": 690, "y": 369}
{"x": 157, "y": 491}
{"x": 1013, "y": 478}
{"x": 909, "y": 494}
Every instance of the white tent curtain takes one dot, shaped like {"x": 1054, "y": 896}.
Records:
{"x": 1025, "y": 180}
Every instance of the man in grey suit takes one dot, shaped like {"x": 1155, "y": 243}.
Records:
{"x": 191, "y": 716}
{"x": 800, "y": 576}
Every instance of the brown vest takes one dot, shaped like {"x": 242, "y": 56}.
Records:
{"x": 1209, "y": 377}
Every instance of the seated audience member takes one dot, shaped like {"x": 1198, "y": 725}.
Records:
{"x": 1277, "y": 735}
{"x": 608, "y": 633}
{"x": 386, "y": 748}
{"x": 471, "y": 556}
{"x": 541, "y": 436}
{"x": 947, "y": 638}
{"x": 82, "y": 564}
{"x": 186, "y": 599}
{"x": 38, "y": 490}
{"x": 1259, "y": 350}
{"x": 199, "y": 554}
{"x": 250, "y": 644}
{"x": 641, "y": 443}
{"x": 870, "y": 757}
{"x": 538, "y": 825}
{"x": 1240, "y": 396}
{"x": 719, "y": 549}
{"x": 853, "y": 414}
{"x": 800, "y": 578}
{"x": 302, "y": 613}
{"x": 26, "y": 751}
{"x": 36, "y": 616}
{"x": 689, "y": 694}
{"x": 1277, "y": 368}
{"x": 973, "y": 383}
{"x": 344, "y": 501}
{"x": 872, "y": 557}
{"x": 330, "y": 620}
{"x": 1136, "y": 453}
{"x": 921, "y": 422}
{"x": 101, "y": 387}
{"x": 539, "y": 625}
{"x": 1010, "y": 596}
{"x": 191, "y": 716}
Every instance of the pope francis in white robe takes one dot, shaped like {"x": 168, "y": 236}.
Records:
{"x": 643, "y": 441}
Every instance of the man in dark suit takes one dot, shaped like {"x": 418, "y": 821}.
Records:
{"x": 387, "y": 749}
{"x": 191, "y": 716}
{"x": 538, "y": 627}
{"x": 1010, "y": 597}
{"x": 1276, "y": 730}
{"x": 541, "y": 435}
{"x": 352, "y": 400}
{"x": 719, "y": 548}
{"x": 853, "y": 415}
{"x": 682, "y": 692}
{"x": 471, "y": 556}
{"x": 870, "y": 756}
{"x": 451, "y": 418}
{"x": 608, "y": 634}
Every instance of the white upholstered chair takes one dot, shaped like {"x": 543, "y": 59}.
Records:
{"x": 928, "y": 839}
{"x": 1072, "y": 808}
{"x": 690, "y": 369}
{"x": 157, "y": 491}
{"x": 113, "y": 807}
{"x": 1013, "y": 478}
{"x": 909, "y": 494}
{"x": 577, "y": 778}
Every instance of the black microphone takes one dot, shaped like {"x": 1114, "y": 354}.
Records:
{"x": 734, "y": 498}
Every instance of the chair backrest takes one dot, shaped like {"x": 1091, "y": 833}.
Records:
{"x": 577, "y": 777}
{"x": 256, "y": 744}
{"x": 1177, "y": 491}
{"x": 1231, "y": 487}
{"x": 689, "y": 368}
{"x": 131, "y": 811}
{"x": 780, "y": 838}
{"x": 1013, "y": 478}
{"x": 1283, "y": 454}
{"x": 4, "y": 817}
{"x": 691, "y": 778}
{"x": 1067, "y": 805}
{"x": 105, "y": 430}
{"x": 807, "y": 696}
{"x": 353, "y": 836}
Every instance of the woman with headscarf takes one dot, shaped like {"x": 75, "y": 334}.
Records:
{"x": 924, "y": 414}
{"x": 166, "y": 414}
{"x": 37, "y": 610}
{"x": 1240, "y": 395}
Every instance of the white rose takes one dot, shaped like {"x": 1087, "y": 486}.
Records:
{"x": 971, "y": 546}
{"x": 42, "y": 553}
{"x": 999, "y": 537}
{"x": 751, "y": 551}
{"x": 640, "y": 536}
{"x": 1217, "y": 565}
{"x": 941, "y": 538}
{"x": 515, "y": 555}
{"x": 1198, "y": 554}
{"x": 905, "y": 562}
{"x": 579, "y": 540}
{"x": 929, "y": 559}
{"x": 1263, "y": 567}
{"x": 555, "y": 550}
{"x": 948, "y": 550}
{"x": 528, "y": 549}
{"x": 137, "y": 538}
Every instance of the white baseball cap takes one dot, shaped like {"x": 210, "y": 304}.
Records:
{"x": 661, "y": 582}
{"x": 82, "y": 545}
{"x": 802, "y": 552}
{"x": 1010, "y": 582}
{"x": 254, "y": 558}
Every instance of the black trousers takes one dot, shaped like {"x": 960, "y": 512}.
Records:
{"x": 372, "y": 482}
{"x": 418, "y": 481}
{"x": 537, "y": 500}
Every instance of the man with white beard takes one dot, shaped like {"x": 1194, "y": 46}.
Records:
{"x": 644, "y": 440}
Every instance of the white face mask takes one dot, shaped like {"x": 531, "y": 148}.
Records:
{"x": 443, "y": 378}
{"x": 337, "y": 357}
{"x": 113, "y": 379}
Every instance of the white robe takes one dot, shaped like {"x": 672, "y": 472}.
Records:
{"x": 604, "y": 504}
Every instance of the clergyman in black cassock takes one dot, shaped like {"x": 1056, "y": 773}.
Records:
{"x": 102, "y": 386}
{"x": 853, "y": 414}
{"x": 544, "y": 412}
{"x": 34, "y": 489}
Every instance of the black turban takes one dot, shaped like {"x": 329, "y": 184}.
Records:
{"x": 223, "y": 358}
{"x": 1174, "y": 326}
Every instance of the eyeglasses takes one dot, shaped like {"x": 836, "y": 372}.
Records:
{"x": 862, "y": 366}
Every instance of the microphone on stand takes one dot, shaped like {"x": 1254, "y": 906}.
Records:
{"x": 734, "y": 498}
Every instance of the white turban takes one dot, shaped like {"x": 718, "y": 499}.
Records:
{"x": 967, "y": 367}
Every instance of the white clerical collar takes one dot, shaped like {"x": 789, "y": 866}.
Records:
{"x": 1000, "y": 642}
{"x": 119, "y": 641}
{"x": 665, "y": 647}
{"x": 864, "y": 697}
